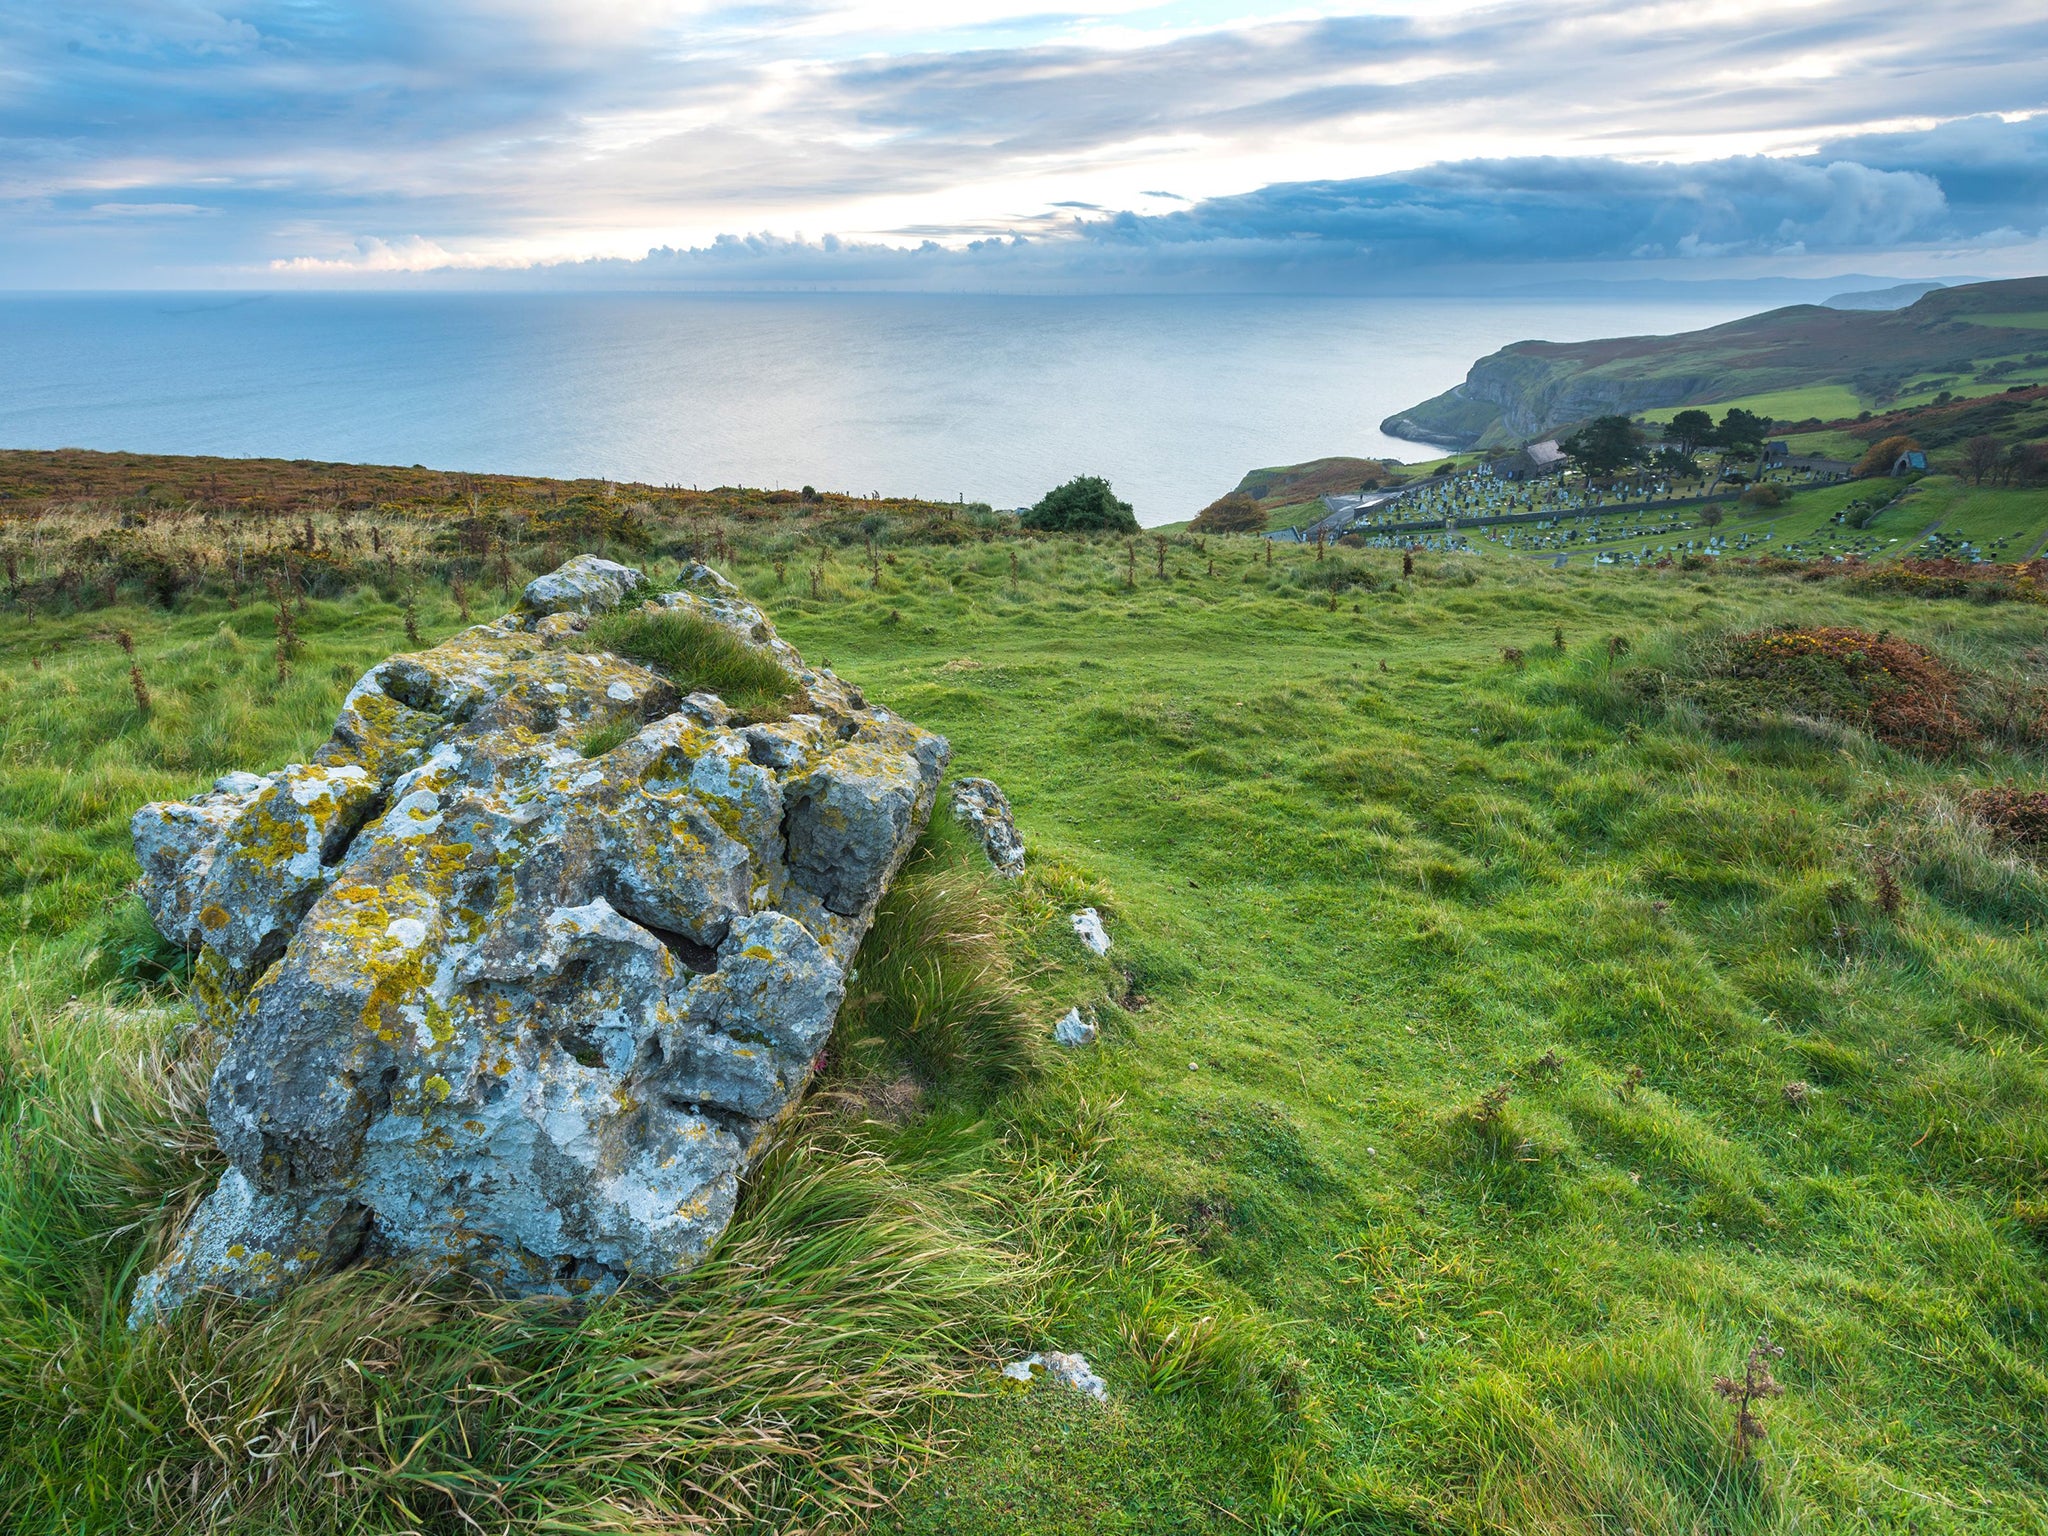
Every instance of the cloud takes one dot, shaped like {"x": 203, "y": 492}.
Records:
{"x": 371, "y": 255}
{"x": 1559, "y": 209}
{"x": 1472, "y": 222}
{"x": 352, "y": 138}
{"x": 148, "y": 210}
{"x": 1993, "y": 171}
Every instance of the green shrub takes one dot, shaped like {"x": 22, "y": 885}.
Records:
{"x": 1085, "y": 504}
{"x": 699, "y": 657}
{"x": 1338, "y": 576}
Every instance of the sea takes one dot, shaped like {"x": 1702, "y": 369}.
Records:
{"x": 968, "y": 397}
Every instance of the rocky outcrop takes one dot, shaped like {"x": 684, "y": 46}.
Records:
{"x": 980, "y": 805}
{"x": 494, "y": 1006}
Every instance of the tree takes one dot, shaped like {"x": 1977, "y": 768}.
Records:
{"x": 1234, "y": 513}
{"x": 1883, "y": 455}
{"x": 1676, "y": 463}
{"x": 1690, "y": 431}
{"x": 1710, "y": 516}
{"x": 1980, "y": 457}
{"x": 1605, "y": 446}
{"x": 1742, "y": 431}
{"x": 1085, "y": 504}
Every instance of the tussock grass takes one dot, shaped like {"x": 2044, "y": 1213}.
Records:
{"x": 789, "y": 1380}
{"x": 699, "y": 656}
{"x": 937, "y": 994}
{"x": 600, "y": 741}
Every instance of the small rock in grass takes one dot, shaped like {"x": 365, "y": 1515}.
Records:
{"x": 1088, "y": 926}
{"x": 1068, "y": 1370}
{"x": 985, "y": 808}
{"x": 1075, "y": 1030}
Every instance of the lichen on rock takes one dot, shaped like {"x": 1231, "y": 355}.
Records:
{"x": 982, "y": 806}
{"x": 492, "y": 1006}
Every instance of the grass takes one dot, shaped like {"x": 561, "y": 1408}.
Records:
{"x": 1348, "y": 904}
{"x": 1828, "y": 402}
{"x": 1997, "y": 523}
{"x": 2027, "y": 320}
{"x": 698, "y": 657}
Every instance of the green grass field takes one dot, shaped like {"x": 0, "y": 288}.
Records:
{"x": 1361, "y": 873}
{"x": 1829, "y": 402}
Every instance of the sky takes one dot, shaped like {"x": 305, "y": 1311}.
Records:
{"x": 1230, "y": 145}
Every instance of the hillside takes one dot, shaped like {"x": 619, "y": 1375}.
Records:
{"x": 1528, "y": 987}
{"x": 1977, "y": 337}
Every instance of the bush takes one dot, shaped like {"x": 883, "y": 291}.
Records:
{"x": 2012, "y": 815}
{"x": 1337, "y": 576}
{"x": 1883, "y": 455}
{"x": 1085, "y": 504}
{"x": 1902, "y": 694}
{"x": 1235, "y": 513}
{"x": 1760, "y": 496}
{"x": 699, "y": 656}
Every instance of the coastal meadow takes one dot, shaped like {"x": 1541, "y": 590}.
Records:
{"x": 1528, "y": 987}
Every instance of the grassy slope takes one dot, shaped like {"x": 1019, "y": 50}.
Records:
{"x": 1361, "y": 898}
{"x": 2001, "y": 524}
{"x": 1796, "y": 362}
{"x": 1357, "y": 900}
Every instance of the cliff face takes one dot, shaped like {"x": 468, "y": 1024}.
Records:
{"x": 1516, "y": 395}
{"x": 1533, "y": 388}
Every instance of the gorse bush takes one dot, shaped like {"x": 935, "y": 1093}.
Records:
{"x": 2015, "y": 816}
{"x": 1336, "y": 576}
{"x": 699, "y": 656}
{"x": 1234, "y": 513}
{"x": 1901, "y": 693}
{"x": 1085, "y": 504}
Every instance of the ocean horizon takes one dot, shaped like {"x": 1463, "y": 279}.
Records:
{"x": 981, "y": 398}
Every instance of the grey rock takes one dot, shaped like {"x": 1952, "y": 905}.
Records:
{"x": 1074, "y": 1029}
{"x": 984, "y": 807}
{"x": 1089, "y": 930}
{"x": 1063, "y": 1368}
{"x": 494, "y": 1007}
{"x": 585, "y": 585}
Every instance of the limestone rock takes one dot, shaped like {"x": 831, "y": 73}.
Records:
{"x": 1089, "y": 930}
{"x": 585, "y": 585}
{"x": 493, "y": 1006}
{"x": 985, "y": 808}
{"x": 1075, "y": 1029}
{"x": 1065, "y": 1368}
